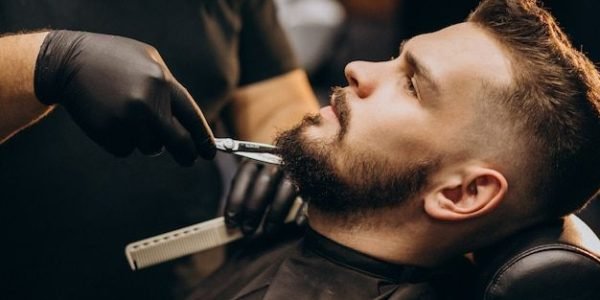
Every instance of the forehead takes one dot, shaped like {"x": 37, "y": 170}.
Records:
{"x": 461, "y": 54}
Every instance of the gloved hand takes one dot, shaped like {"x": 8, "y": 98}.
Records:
{"x": 121, "y": 93}
{"x": 259, "y": 189}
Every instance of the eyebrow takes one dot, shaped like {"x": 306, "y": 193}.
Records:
{"x": 416, "y": 64}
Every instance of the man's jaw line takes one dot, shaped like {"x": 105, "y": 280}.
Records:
{"x": 397, "y": 245}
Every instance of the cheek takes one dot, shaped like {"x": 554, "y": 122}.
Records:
{"x": 392, "y": 130}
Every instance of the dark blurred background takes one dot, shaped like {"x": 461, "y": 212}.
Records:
{"x": 328, "y": 34}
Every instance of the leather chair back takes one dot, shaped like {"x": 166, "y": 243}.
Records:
{"x": 555, "y": 260}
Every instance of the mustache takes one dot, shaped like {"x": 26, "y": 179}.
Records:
{"x": 339, "y": 102}
{"x": 341, "y": 108}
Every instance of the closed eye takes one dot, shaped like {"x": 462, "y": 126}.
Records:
{"x": 408, "y": 84}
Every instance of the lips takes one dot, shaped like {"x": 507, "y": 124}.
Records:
{"x": 331, "y": 111}
{"x": 340, "y": 109}
{"x": 332, "y": 103}
{"x": 328, "y": 113}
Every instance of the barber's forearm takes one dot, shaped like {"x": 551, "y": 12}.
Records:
{"x": 263, "y": 109}
{"x": 19, "y": 107}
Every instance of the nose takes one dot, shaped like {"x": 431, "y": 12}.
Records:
{"x": 362, "y": 77}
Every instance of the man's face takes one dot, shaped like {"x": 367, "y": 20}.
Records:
{"x": 396, "y": 121}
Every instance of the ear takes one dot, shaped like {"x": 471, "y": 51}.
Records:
{"x": 470, "y": 193}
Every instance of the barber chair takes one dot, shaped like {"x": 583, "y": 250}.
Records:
{"x": 591, "y": 214}
{"x": 555, "y": 260}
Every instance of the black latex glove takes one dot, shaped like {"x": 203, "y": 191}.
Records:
{"x": 121, "y": 93}
{"x": 256, "y": 190}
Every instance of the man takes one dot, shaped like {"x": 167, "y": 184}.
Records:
{"x": 116, "y": 71}
{"x": 472, "y": 134}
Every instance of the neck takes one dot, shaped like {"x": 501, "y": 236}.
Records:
{"x": 404, "y": 244}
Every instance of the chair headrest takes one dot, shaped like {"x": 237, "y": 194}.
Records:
{"x": 554, "y": 260}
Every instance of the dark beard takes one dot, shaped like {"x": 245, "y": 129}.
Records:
{"x": 370, "y": 183}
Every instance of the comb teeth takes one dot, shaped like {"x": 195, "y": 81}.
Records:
{"x": 188, "y": 240}
{"x": 179, "y": 242}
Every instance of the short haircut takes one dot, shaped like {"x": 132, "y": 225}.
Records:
{"x": 554, "y": 102}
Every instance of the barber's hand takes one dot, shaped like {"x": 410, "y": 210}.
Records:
{"x": 121, "y": 93}
{"x": 258, "y": 189}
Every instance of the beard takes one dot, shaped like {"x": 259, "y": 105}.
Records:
{"x": 362, "y": 185}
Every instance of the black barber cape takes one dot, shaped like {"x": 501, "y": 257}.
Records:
{"x": 67, "y": 207}
{"x": 316, "y": 267}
